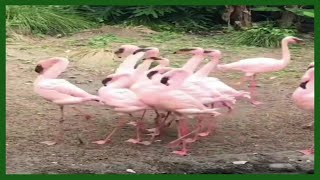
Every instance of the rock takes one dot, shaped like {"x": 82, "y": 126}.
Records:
{"x": 282, "y": 167}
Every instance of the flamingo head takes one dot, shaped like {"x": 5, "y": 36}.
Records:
{"x": 311, "y": 65}
{"x": 193, "y": 51}
{"x": 162, "y": 61}
{"x": 43, "y": 65}
{"x": 176, "y": 76}
{"x": 125, "y": 50}
{"x": 213, "y": 53}
{"x": 106, "y": 80}
{"x": 151, "y": 73}
{"x": 293, "y": 40}
{"x": 148, "y": 52}
{"x": 115, "y": 77}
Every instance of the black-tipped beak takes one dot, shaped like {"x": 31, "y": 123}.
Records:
{"x": 38, "y": 69}
{"x": 105, "y": 81}
{"x": 165, "y": 80}
{"x": 310, "y": 67}
{"x": 303, "y": 85}
{"x": 140, "y": 50}
{"x": 207, "y": 51}
{"x": 152, "y": 58}
{"x": 150, "y": 74}
{"x": 299, "y": 41}
{"x": 119, "y": 51}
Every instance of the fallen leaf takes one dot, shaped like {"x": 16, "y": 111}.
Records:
{"x": 130, "y": 171}
{"x": 239, "y": 162}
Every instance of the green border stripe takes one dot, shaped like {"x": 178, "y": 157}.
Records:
{"x": 165, "y": 2}
{"x": 156, "y": 2}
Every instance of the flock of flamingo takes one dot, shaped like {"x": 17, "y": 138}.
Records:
{"x": 175, "y": 94}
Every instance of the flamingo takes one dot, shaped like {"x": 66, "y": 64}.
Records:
{"x": 126, "y": 51}
{"x": 58, "y": 91}
{"x": 167, "y": 97}
{"x": 251, "y": 67}
{"x": 115, "y": 93}
{"x": 303, "y": 97}
{"x": 214, "y": 84}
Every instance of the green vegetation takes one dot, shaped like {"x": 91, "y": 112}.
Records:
{"x": 267, "y": 36}
{"x": 105, "y": 40}
{"x": 170, "y": 21}
{"x": 44, "y": 20}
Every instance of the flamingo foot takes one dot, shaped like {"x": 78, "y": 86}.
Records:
{"x": 101, "y": 142}
{"x": 307, "y": 152}
{"x": 256, "y": 103}
{"x": 49, "y": 143}
{"x": 181, "y": 153}
{"x": 204, "y": 134}
{"x": 190, "y": 140}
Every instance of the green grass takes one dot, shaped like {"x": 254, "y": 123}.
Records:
{"x": 261, "y": 36}
{"x": 49, "y": 20}
{"x": 105, "y": 40}
{"x": 164, "y": 37}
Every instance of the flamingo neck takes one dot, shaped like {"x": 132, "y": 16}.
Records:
{"x": 55, "y": 70}
{"x": 206, "y": 69}
{"x": 193, "y": 63}
{"x": 285, "y": 53}
{"x": 39, "y": 79}
{"x": 143, "y": 67}
{"x": 132, "y": 60}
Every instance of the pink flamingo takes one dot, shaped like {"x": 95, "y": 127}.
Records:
{"x": 115, "y": 94}
{"x": 303, "y": 97}
{"x": 169, "y": 98}
{"x": 214, "y": 84}
{"x": 58, "y": 91}
{"x": 251, "y": 67}
{"x": 126, "y": 51}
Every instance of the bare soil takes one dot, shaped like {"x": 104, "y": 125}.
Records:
{"x": 270, "y": 133}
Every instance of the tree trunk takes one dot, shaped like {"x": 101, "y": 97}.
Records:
{"x": 287, "y": 18}
{"x": 238, "y": 16}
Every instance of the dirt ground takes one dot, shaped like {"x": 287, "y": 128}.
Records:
{"x": 262, "y": 136}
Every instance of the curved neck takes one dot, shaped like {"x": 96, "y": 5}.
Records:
{"x": 141, "y": 69}
{"x": 131, "y": 60}
{"x": 285, "y": 53}
{"x": 193, "y": 63}
{"x": 207, "y": 68}
{"x": 55, "y": 70}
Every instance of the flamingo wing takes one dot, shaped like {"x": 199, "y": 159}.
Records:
{"x": 62, "y": 86}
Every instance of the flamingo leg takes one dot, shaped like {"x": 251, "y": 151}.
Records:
{"x": 108, "y": 138}
{"x": 182, "y": 131}
{"x": 211, "y": 125}
{"x": 59, "y": 137}
{"x": 242, "y": 80}
{"x": 87, "y": 116}
{"x": 253, "y": 91}
{"x": 137, "y": 140}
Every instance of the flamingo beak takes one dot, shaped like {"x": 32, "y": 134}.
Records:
{"x": 303, "y": 84}
{"x": 300, "y": 41}
{"x": 39, "y": 69}
{"x": 141, "y": 50}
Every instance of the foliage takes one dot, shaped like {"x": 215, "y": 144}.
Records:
{"x": 105, "y": 40}
{"x": 164, "y": 36}
{"x": 44, "y": 20}
{"x": 267, "y": 36}
{"x": 302, "y": 12}
{"x": 178, "y": 18}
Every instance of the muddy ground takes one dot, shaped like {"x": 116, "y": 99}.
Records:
{"x": 268, "y": 134}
